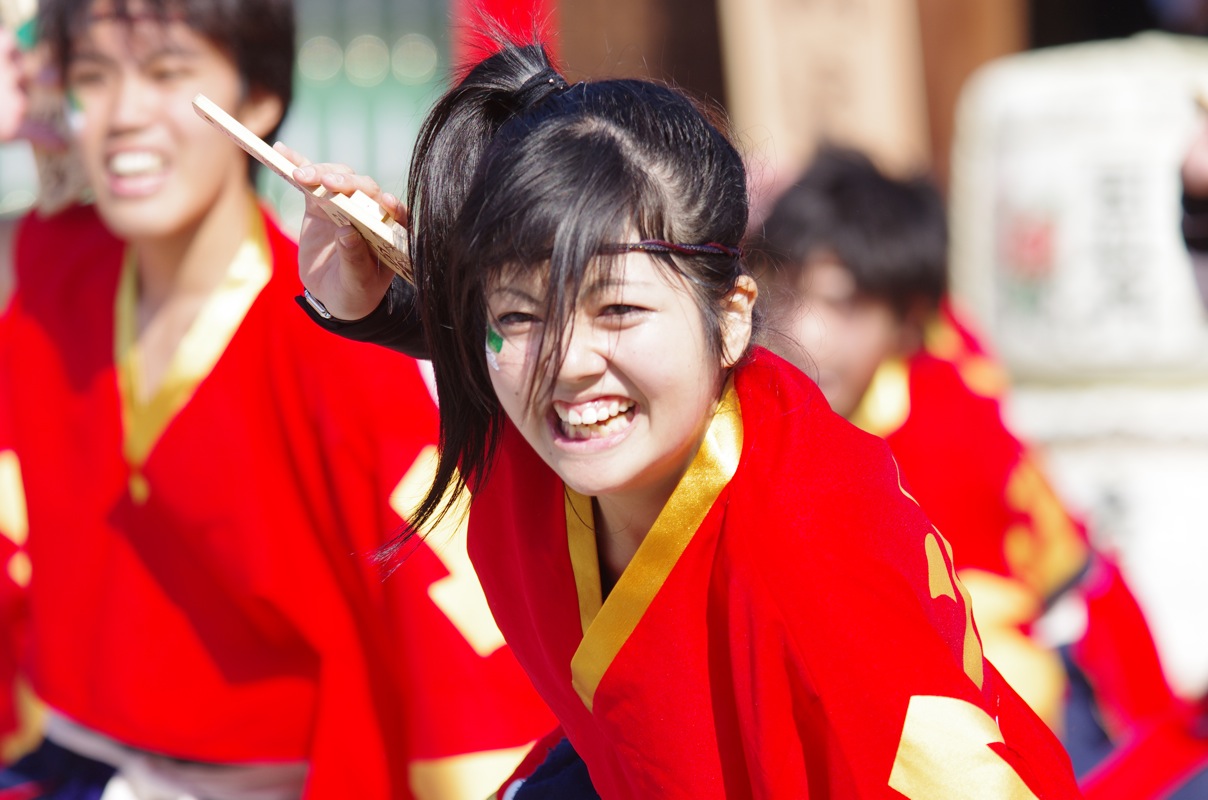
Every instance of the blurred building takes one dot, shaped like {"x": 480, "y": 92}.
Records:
{"x": 1065, "y": 208}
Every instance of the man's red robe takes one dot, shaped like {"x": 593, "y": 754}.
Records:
{"x": 202, "y": 580}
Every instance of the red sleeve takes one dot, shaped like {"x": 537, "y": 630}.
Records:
{"x": 872, "y": 666}
{"x": 912, "y": 705}
{"x": 1156, "y": 762}
{"x": 454, "y": 688}
{"x": 14, "y": 562}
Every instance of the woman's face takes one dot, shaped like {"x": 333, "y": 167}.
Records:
{"x": 636, "y": 389}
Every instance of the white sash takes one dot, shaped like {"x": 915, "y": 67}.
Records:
{"x": 146, "y": 776}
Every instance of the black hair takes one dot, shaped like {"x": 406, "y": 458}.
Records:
{"x": 890, "y": 234}
{"x": 515, "y": 169}
{"x": 258, "y": 35}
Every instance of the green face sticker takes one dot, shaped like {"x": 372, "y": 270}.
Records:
{"x": 494, "y": 340}
{"x": 27, "y": 34}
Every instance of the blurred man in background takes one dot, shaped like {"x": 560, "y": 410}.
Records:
{"x": 854, "y": 265}
{"x": 203, "y": 497}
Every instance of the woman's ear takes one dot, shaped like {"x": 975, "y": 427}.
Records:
{"x": 736, "y": 321}
{"x": 261, "y": 112}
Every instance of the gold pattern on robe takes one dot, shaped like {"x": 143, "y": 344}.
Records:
{"x": 458, "y": 595}
{"x": 469, "y": 775}
{"x": 609, "y": 624}
{"x": 944, "y": 754}
{"x": 941, "y": 339}
{"x": 886, "y": 403}
{"x": 145, "y": 420}
{"x": 14, "y": 517}
{"x": 980, "y": 373}
{"x": 943, "y": 582}
{"x": 14, "y": 520}
{"x": 937, "y": 570}
{"x": 1051, "y": 551}
{"x": 983, "y": 376}
{"x": 1036, "y": 672}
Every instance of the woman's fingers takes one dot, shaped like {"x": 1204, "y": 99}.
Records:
{"x": 337, "y": 180}
{"x": 342, "y": 179}
{"x": 395, "y": 208}
{"x": 293, "y": 155}
{"x": 355, "y": 252}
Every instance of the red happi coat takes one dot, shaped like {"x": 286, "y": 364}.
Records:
{"x": 1017, "y": 548}
{"x": 790, "y": 627}
{"x": 14, "y": 571}
{"x": 202, "y": 585}
{"x": 1168, "y": 760}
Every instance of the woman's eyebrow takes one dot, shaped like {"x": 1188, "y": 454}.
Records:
{"x": 607, "y": 283}
{"x": 518, "y": 293}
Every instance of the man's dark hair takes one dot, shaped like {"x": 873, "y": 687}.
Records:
{"x": 258, "y": 35}
{"x": 892, "y": 235}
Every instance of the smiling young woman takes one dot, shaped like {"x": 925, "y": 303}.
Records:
{"x": 718, "y": 585}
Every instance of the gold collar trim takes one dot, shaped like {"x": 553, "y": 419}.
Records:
{"x": 607, "y": 624}
{"x": 143, "y": 422}
{"x": 886, "y": 403}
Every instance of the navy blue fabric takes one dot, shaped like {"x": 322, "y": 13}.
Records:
{"x": 562, "y": 776}
{"x": 61, "y": 774}
{"x": 1084, "y": 739}
{"x": 1196, "y": 787}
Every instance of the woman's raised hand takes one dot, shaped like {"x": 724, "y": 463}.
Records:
{"x": 334, "y": 262}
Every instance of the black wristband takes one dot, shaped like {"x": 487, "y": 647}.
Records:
{"x": 394, "y": 324}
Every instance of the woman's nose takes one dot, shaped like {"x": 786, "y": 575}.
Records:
{"x": 585, "y": 353}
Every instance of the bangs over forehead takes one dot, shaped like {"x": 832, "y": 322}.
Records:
{"x": 550, "y": 206}
{"x": 63, "y": 23}
{"x": 556, "y": 196}
{"x": 258, "y": 35}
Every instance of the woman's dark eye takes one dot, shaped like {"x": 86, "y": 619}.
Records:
{"x": 516, "y": 318}
{"x": 619, "y": 309}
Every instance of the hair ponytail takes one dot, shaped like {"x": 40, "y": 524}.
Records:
{"x": 455, "y": 135}
{"x": 451, "y": 144}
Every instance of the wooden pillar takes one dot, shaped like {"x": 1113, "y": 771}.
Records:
{"x": 958, "y": 36}
{"x": 670, "y": 40}
{"x": 801, "y": 72}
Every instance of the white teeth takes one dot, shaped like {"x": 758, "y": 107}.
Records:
{"x": 135, "y": 162}
{"x": 593, "y": 420}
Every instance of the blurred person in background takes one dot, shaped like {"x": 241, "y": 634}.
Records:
{"x": 853, "y": 264}
{"x": 205, "y": 472}
{"x": 1170, "y": 758}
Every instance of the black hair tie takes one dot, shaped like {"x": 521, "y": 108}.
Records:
{"x": 539, "y": 87}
